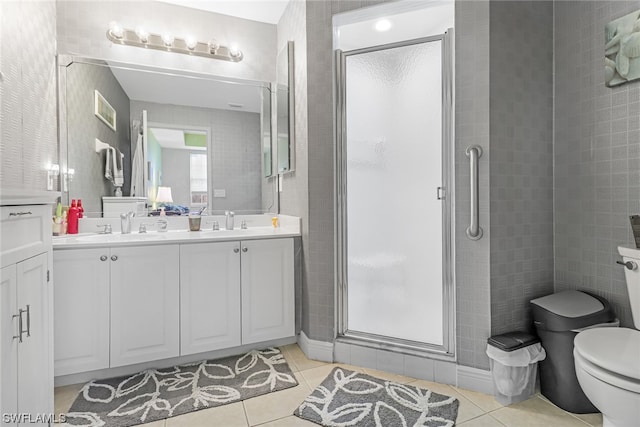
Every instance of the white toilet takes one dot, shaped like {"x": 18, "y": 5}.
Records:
{"x": 608, "y": 359}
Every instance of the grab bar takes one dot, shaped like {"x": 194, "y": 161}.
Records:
{"x": 474, "y": 231}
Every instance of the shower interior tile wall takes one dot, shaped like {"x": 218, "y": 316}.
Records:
{"x": 596, "y": 155}
{"x": 521, "y": 169}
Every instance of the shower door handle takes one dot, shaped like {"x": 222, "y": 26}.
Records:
{"x": 474, "y": 231}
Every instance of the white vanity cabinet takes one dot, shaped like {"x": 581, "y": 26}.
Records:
{"x": 81, "y": 301}
{"x": 115, "y": 306}
{"x": 268, "y": 301}
{"x": 26, "y": 362}
{"x": 125, "y": 305}
{"x": 234, "y": 293}
{"x": 209, "y": 297}
{"x": 145, "y": 296}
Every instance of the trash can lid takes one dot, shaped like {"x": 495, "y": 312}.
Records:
{"x": 569, "y": 304}
{"x": 512, "y": 340}
{"x": 567, "y": 310}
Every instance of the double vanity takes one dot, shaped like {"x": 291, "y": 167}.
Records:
{"x": 124, "y": 302}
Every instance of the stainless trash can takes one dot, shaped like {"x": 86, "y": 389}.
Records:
{"x": 558, "y": 318}
{"x": 514, "y": 358}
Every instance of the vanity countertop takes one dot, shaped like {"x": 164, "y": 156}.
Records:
{"x": 92, "y": 240}
{"x": 259, "y": 227}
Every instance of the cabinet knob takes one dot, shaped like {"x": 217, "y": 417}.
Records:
{"x": 103, "y": 258}
{"x": 236, "y": 250}
{"x": 114, "y": 257}
{"x": 245, "y": 249}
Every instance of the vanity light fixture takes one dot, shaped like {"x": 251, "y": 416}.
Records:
{"x": 213, "y": 46}
{"x": 168, "y": 39}
{"x": 169, "y": 43}
{"x": 116, "y": 30}
{"x": 67, "y": 177}
{"x": 142, "y": 34}
{"x": 191, "y": 42}
{"x": 53, "y": 171}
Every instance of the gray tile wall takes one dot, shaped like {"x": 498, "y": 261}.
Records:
{"x": 473, "y": 318}
{"x": 28, "y": 127}
{"x": 596, "y": 155}
{"x": 82, "y": 26}
{"x": 236, "y": 154}
{"x": 294, "y": 198}
{"x": 318, "y": 320}
{"x": 83, "y": 127}
{"x": 472, "y": 127}
{"x": 521, "y": 169}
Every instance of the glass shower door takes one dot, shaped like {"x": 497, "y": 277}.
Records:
{"x": 394, "y": 236}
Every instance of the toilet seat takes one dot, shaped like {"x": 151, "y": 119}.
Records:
{"x": 612, "y": 355}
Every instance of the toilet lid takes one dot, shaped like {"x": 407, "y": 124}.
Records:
{"x": 614, "y": 349}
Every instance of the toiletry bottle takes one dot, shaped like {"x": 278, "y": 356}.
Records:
{"x": 64, "y": 224}
{"x": 57, "y": 220}
{"x": 80, "y": 209}
{"x": 74, "y": 213}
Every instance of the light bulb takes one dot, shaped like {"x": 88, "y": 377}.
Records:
{"x": 213, "y": 46}
{"x": 116, "y": 30}
{"x": 168, "y": 39}
{"x": 383, "y": 25}
{"x": 191, "y": 42}
{"x": 234, "y": 51}
{"x": 142, "y": 34}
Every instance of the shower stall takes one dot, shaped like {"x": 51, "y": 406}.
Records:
{"x": 394, "y": 192}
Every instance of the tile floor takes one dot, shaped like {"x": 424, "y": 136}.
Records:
{"x": 275, "y": 409}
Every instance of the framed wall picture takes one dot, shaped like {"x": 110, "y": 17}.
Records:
{"x": 104, "y": 110}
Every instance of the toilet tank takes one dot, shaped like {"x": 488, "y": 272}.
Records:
{"x": 633, "y": 280}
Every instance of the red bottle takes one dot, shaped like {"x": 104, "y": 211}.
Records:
{"x": 80, "y": 209}
{"x": 72, "y": 218}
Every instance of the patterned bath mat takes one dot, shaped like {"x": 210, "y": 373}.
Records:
{"x": 347, "y": 398}
{"x": 162, "y": 393}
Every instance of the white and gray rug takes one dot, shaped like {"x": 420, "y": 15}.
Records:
{"x": 347, "y": 398}
{"x": 162, "y": 393}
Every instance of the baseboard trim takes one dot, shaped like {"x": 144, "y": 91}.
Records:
{"x": 315, "y": 350}
{"x": 474, "y": 379}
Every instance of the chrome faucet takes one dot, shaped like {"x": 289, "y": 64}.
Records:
{"x": 229, "y": 219}
{"x": 106, "y": 230}
{"x": 125, "y": 222}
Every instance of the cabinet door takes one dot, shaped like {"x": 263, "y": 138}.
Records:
{"x": 35, "y": 379}
{"x": 145, "y": 304}
{"x": 8, "y": 344}
{"x": 81, "y": 316}
{"x": 267, "y": 273}
{"x": 209, "y": 296}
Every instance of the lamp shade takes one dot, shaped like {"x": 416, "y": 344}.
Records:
{"x": 164, "y": 195}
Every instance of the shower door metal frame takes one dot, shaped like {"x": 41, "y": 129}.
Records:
{"x": 446, "y": 351}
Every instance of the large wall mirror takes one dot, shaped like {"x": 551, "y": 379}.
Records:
{"x": 137, "y": 131}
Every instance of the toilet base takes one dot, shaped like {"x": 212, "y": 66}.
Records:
{"x": 619, "y": 407}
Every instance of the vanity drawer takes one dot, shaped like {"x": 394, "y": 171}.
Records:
{"x": 25, "y": 231}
